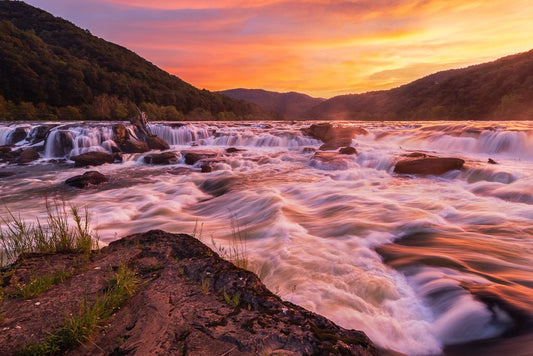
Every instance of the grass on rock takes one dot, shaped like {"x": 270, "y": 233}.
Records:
{"x": 78, "y": 328}
{"x": 65, "y": 229}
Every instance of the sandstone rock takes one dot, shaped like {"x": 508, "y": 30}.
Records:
{"x": 156, "y": 143}
{"x": 334, "y": 137}
{"x": 39, "y": 133}
{"x": 206, "y": 168}
{"x": 348, "y": 150}
{"x": 491, "y": 161}
{"x": 86, "y": 179}
{"x": 189, "y": 301}
{"x": 92, "y": 159}
{"x": 133, "y": 146}
{"x": 17, "y": 135}
{"x": 308, "y": 150}
{"x": 428, "y": 165}
{"x": 234, "y": 150}
{"x": 27, "y": 155}
{"x": 336, "y": 143}
{"x": 191, "y": 157}
{"x": 161, "y": 158}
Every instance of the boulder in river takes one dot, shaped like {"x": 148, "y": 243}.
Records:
{"x": 94, "y": 158}
{"x": 161, "y": 158}
{"x": 17, "y": 135}
{"x": 191, "y": 157}
{"x": 333, "y": 136}
{"x": 27, "y": 155}
{"x": 348, "y": 150}
{"x": 86, "y": 179}
{"x": 428, "y": 165}
{"x": 156, "y": 143}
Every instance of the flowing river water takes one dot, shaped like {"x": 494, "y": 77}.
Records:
{"x": 421, "y": 264}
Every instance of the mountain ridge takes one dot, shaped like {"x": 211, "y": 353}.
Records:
{"x": 498, "y": 90}
{"x": 55, "y": 69}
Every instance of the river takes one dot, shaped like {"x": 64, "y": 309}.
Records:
{"x": 424, "y": 265}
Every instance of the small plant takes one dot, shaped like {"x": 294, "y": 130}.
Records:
{"x": 232, "y": 301}
{"x": 197, "y": 231}
{"x": 236, "y": 253}
{"x": 54, "y": 235}
{"x": 40, "y": 284}
{"x": 205, "y": 286}
{"x": 77, "y": 329}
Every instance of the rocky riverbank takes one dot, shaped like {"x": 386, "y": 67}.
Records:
{"x": 189, "y": 301}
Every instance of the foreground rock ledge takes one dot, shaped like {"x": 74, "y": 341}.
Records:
{"x": 180, "y": 309}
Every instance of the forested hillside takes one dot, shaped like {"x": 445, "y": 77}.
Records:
{"x": 499, "y": 90}
{"x": 51, "y": 69}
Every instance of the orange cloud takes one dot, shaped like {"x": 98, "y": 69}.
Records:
{"x": 320, "y": 47}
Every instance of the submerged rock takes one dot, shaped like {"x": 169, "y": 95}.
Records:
{"x": 94, "y": 158}
{"x": 234, "y": 150}
{"x": 86, "y": 179}
{"x": 161, "y": 158}
{"x": 190, "y": 301}
{"x": 428, "y": 165}
{"x": 5, "y": 174}
{"x": 349, "y": 150}
{"x": 191, "y": 157}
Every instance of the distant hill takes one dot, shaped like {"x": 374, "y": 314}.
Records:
{"x": 292, "y": 105}
{"x": 49, "y": 68}
{"x": 499, "y": 90}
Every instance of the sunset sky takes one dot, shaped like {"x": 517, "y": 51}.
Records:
{"x": 318, "y": 47}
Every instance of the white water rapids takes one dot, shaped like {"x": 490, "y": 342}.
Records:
{"x": 418, "y": 263}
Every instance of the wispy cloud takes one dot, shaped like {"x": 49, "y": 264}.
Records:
{"x": 320, "y": 47}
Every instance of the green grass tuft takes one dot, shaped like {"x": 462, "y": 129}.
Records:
{"x": 64, "y": 230}
{"x": 77, "y": 329}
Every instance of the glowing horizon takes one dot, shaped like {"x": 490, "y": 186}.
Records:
{"x": 318, "y": 47}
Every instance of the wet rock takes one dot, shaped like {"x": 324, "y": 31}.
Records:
{"x": 156, "y": 143}
{"x": 428, "y": 165}
{"x": 27, "y": 155}
{"x": 191, "y": 157}
{"x": 189, "y": 301}
{"x": 334, "y": 137}
{"x": 348, "y": 151}
{"x": 308, "y": 150}
{"x": 59, "y": 142}
{"x": 234, "y": 150}
{"x": 161, "y": 158}
{"x": 92, "y": 159}
{"x": 206, "y": 168}
{"x": 17, "y": 135}
{"x": 417, "y": 155}
{"x": 86, "y": 179}
{"x": 39, "y": 133}
{"x": 335, "y": 144}
{"x": 133, "y": 146}
{"x": 218, "y": 186}
{"x": 126, "y": 142}
{"x": 5, "y": 174}
{"x": 491, "y": 161}
{"x": 330, "y": 161}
